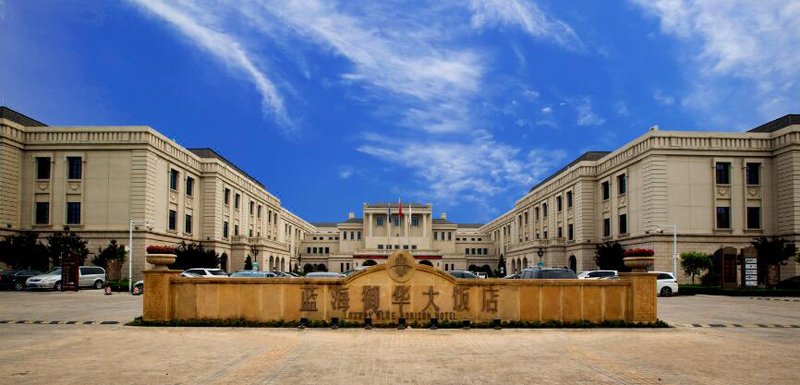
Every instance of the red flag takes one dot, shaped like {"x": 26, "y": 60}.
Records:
{"x": 400, "y": 207}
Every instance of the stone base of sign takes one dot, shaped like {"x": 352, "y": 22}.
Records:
{"x": 401, "y": 288}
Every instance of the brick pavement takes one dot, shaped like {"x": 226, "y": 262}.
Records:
{"x": 116, "y": 354}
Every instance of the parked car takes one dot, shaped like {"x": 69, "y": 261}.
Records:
{"x": 293, "y": 274}
{"x": 281, "y": 274}
{"x": 481, "y": 274}
{"x": 15, "y": 279}
{"x": 88, "y": 276}
{"x": 547, "y": 273}
{"x": 666, "y": 284}
{"x": 790, "y": 283}
{"x": 596, "y": 274}
{"x": 253, "y": 274}
{"x": 324, "y": 274}
{"x": 512, "y": 276}
{"x": 204, "y": 272}
{"x": 463, "y": 274}
{"x": 138, "y": 288}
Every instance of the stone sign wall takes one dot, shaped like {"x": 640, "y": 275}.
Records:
{"x": 399, "y": 288}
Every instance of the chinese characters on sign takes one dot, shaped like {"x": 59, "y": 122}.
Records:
{"x": 340, "y": 298}
{"x": 489, "y": 303}
{"x": 401, "y": 296}
{"x": 308, "y": 299}
{"x": 460, "y": 298}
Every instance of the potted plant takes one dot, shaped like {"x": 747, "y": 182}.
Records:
{"x": 161, "y": 256}
{"x": 639, "y": 259}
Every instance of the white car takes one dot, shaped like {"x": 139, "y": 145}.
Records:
{"x": 204, "y": 272}
{"x": 88, "y": 276}
{"x": 325, "y": 274}
{"x": 666, "y": 284}
{"x": 597, "y": 274}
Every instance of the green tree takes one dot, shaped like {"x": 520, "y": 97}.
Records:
{"x": 609, "y": 256}
{"x": 66, "y": 242}
{"x": 773, "y": 252}
{"x": 693, "y": 263}
{"x": 501, "y": 265}
{"x": 23, "y": 250}
{"x": 194, "y": 255}
{"x": 112, "y": 251}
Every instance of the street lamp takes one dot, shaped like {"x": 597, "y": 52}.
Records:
{"x": 674, "y": 245}
{"x": 131, "y": 223}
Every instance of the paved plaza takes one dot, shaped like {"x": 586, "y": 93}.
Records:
{"x": 78, "y": 353}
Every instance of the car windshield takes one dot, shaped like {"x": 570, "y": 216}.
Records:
{"x": 557, "y": 274}
{"x": 218, "y": 272}
{"x": 54, "y": 271}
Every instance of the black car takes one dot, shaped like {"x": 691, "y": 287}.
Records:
{"x": 547, "y": 273}
{"x": 790, "y": 283}
{"x": 15, "y": 279}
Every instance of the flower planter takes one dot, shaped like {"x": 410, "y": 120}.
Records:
{"x": 639, "y": 263}
{"x": 161, "y": 261}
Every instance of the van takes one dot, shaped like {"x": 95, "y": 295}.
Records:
{"x": 88, "y": 276}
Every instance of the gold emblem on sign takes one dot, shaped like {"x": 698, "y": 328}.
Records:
{"x": 401, "y": 266}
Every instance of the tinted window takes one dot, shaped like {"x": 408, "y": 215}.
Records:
{"x": 218, "y": 272}
{"x": 74, "y": 167}
{"x": 664, "y": 276}
{"x": 550, "y": 274}
{"x": 42, "y": 168}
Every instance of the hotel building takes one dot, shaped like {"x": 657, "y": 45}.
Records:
{"x": 718, "y": 190}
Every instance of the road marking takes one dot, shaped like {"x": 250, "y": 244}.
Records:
{"x": 727, "y": 325}
{"x": 44, "y": 322}
{"x": 776, "y": 299}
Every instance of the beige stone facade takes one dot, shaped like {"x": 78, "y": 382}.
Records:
{"x": 373, "y": 236}
{"x": 717, "y": 189}
{"x": 96, "y": 179}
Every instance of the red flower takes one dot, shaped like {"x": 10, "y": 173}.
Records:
{"x": 160, "y": 249}
{"x": 639, "y": 253}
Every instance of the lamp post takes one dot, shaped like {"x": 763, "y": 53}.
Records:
{"x": 131, "y": 223}
{"x": 674, "y": 245}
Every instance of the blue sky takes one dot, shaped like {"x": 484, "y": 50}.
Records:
{"x": 463, "y": 104}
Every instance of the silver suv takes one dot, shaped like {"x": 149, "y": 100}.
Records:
{"x": 89, "y": 276}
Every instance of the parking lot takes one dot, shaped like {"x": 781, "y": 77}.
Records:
{"x": 706, "y": 347}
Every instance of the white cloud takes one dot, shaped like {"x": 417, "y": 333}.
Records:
{"x": 190, "y": 21}
{"x": 586, "y": 115}
{"x": 474, "y": 170}
{"x": 345, "y": 172}
{"x": 621, "y": 108}
{"x": 547, "y": 110}
{"x": 525, "y": 15}
{"x": 754, "y": 43}
{"x": 662, "y": 98}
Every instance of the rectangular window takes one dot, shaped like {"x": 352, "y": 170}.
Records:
{"x": 723, "y": 217}
{"x": 449, "y": 236}
{"x": 559, "y": 232}
{"x": 570, "y": 232}
{"x": 74, "y": 167}
{"x": 73, "y": 213}
{"x": 225, "y": 229}
{"x": 252, "y": 207}
{"x": 42, "y": 213}
{"x": 359, "y": 234}
{"x": 227, "y": 196}
{"x": 526, "y": 217}
{"x": 189, "y": 186}
{"x": 250, "y": 233}
{"x": 754, "y": 174}
{"x": 623, "y": 223}
{"x": 622, "y": 186}
{"x": 558, "y": 203}
{"x": 754, "y": 218}
{"x": 569, "y": 199}
{"x": 380, "y": 247}
{"x": 173, "y": 180}
{"x": 43, "y": 168}
{"x": 607, "y": 227}
{"x": 327, "y": 250}
{"x": 258, "y": 212}
{"x": 187, "y": 224}
{"x": 413, "y": 247}
{"x": 236, "y": 230}
{"x": 544, "y": 210}
{"x": 172, "y": 220}
{"x": 397, "y": 220}
{"x": 236, "y": 200}
{"x": 536, "y": 214}
{"x": 723, "y": 173}
{"x": 344, "y": 235}
{"x": 544, "y": 234}
{"x": 308, "y": 250}
{"x": 352, "y": 235}
{"x": 435, "y": 236}
{"x": 414, "y": 221}
{"x": 606, "y": 191}
{"x": 379, "y": 221}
